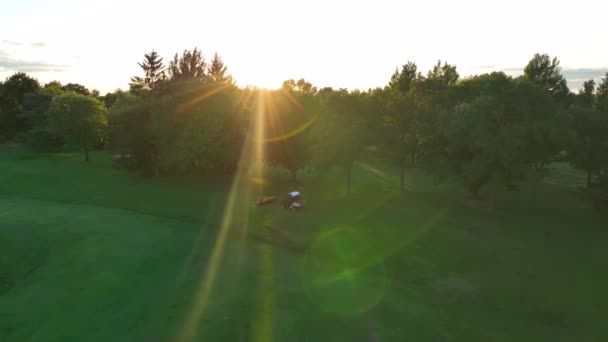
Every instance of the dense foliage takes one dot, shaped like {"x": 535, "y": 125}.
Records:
{"x": 79, "y": 118}
{"x": 190, "y": 118}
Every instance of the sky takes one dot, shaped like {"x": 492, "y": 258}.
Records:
{"x": 342, "y": 44}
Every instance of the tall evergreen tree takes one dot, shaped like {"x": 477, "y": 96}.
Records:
{"x": 218, "y": 71}
{"x": 154, "y": 74}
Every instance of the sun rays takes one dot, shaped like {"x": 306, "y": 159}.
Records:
{"x": 201, "y": 298}
{"x": 205, "y": 95}
{"x": 323, "y": 276}
{"x": 265, "y": 308}
{"x": 252, "y": 153}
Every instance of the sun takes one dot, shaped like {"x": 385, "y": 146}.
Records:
{"x": 260, "y": 77}
{"x": 265, "y": 83}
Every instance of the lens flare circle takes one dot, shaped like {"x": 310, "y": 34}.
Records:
{"x": 341, "y": 273}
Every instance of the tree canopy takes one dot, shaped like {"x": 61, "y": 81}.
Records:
{"x": 154, "y": 74}
{"x": 191, "y": 118}
{"x": 79, "y": 118}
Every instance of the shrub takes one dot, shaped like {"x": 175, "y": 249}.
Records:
{"x": 43, "y": 141}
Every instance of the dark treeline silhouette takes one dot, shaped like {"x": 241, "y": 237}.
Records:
{"x": 188, "y": 117}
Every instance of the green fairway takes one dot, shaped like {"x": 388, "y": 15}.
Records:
{"x": 89, "y": 253}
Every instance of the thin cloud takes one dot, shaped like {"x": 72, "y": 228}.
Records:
{"x": 481, "y": 67}
{"x": 34, "y": 44}
{"x": 512, "y": 70}
{"x": 584, "y": 73}
{"x": 7, "y": 63}
{"x": 576, "y": 77}
{"x": 9, "y": 42}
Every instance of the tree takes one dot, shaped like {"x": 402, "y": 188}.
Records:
{"x": 289, "y": 114}
{"x": 12, "y": 94}
{"x": 481, "y": 144}
{"x": 599, "y": 187}
{"x": 401, "y": 139}
{"x": 218, "y": 71}
{"x": 77, "y": 88}
{"x": 197, "y": 129}
{"x": 54, "y": 85}
{"x": 546, "y": 73}
{"x": 189, "y": 66}
{"x": 508, "y": 129}
{"x": 402, "y": 81}
{"x": 588, "y": 146}
{"x": 587, "y": 149}
{"x": 34, "y": 115}
{"x": 342, "y": 131}
{"x": 78, "y": 118}
{"x": 110, "y": 98}
{"x": 602, "y": 96}
{"x": 300, "y": 86}
{"x": 429, "y": 97}
{"x": 154, "y": 74}
{"x": 586, "y": 95}
{"x": 35, "y": 107}
{"x": 2, "y": 117}
{"x": 443, "y": 74}
{"x": 130, "y": 132}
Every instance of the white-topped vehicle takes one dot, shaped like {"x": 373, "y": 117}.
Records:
{"x": 293, "y": 201}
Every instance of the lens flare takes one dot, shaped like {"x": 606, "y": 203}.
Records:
{"x": 202, "y": 97}
{"x": 340, "y": 274}
{"x": 345, "y": 271}
{"x": 262, "y": 329}
{"x": 240, "y": 188}
{"x": 293, "y": 132}
{"x": 190, "y": 327}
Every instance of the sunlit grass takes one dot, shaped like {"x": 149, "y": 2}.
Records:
{"x": 102, "y": 239}
{"x": 202, "y": 296}
{"x": 265, "y": 313}
{"x": 239, "y": 190}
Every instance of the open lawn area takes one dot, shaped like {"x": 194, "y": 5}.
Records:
{"x": 90, "y": 253}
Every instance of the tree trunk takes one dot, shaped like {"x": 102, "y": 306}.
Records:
{"x": 86, "y": 152}
{"x": 402, "y": 177}
{"x": 349, "y": 175}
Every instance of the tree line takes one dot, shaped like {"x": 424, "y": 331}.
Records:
{"x": 188, "y": 117}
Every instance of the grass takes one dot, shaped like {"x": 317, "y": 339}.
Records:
{"x": 88, "y": 253}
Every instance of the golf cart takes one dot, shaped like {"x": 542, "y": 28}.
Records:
{"x": 293, "y": 201}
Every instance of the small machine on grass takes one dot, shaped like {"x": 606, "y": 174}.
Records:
{"x": 293, "y": 201}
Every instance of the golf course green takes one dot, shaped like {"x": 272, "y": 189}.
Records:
{"x": 91, "y": 253}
